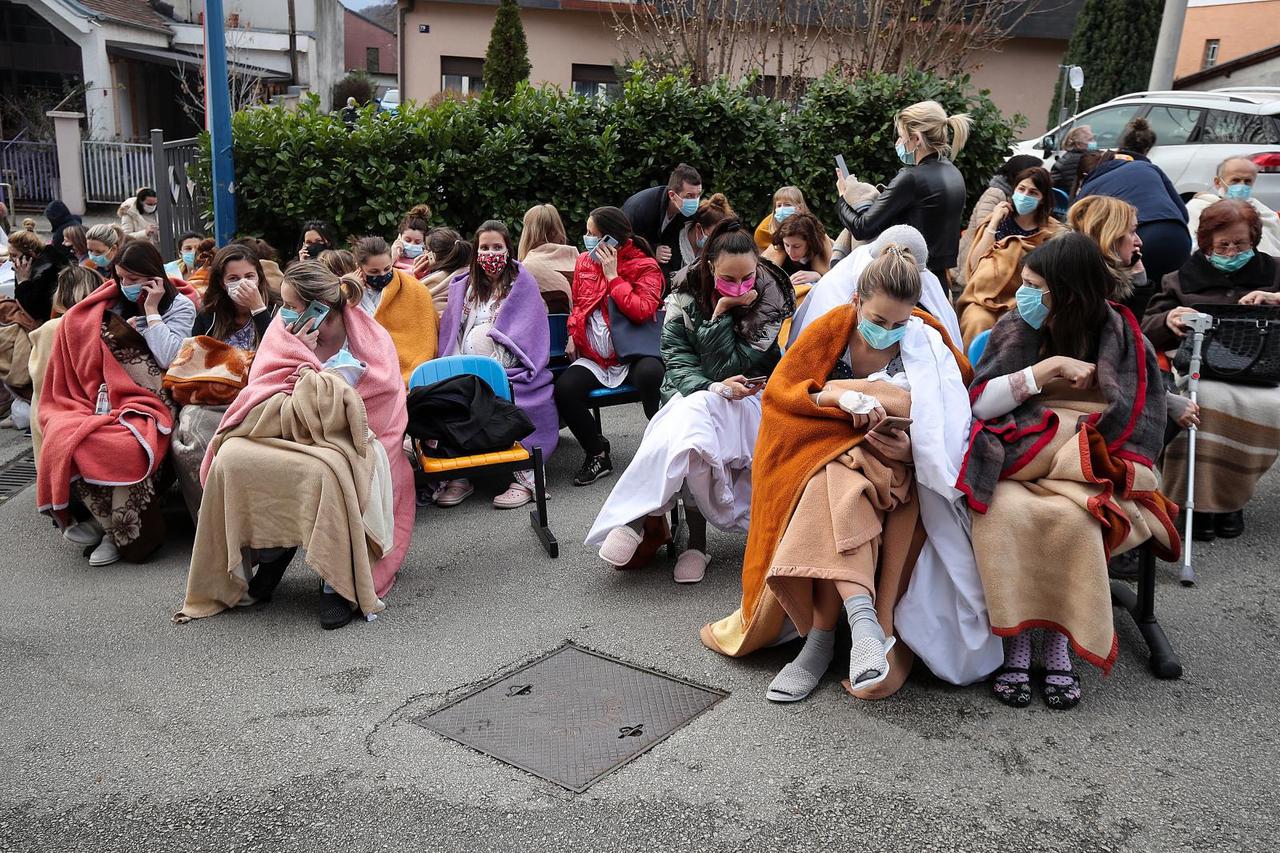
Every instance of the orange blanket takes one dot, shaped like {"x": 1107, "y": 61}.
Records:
{"x": 408, "y": 314}
{"x": 797, "y": 439}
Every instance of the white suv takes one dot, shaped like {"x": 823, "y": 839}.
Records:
{"x": 1195, "y": 131}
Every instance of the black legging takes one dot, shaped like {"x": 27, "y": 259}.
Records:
{"x": 1166, "y": 245}
{"x": 575, "y": 383}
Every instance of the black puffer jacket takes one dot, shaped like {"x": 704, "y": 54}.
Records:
{"x": 929, "y": 197}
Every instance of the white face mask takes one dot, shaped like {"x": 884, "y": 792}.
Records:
{"x": 236, "y": 284}
{"x": 148, "y": 208}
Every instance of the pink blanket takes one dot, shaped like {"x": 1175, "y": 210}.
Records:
{"x": 275, "y": 369}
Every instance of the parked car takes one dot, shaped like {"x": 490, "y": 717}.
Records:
{"x": 1195, "y": 131}
{"x": 390, "y": 101}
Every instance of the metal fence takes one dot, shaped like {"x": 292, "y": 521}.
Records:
{"x": 113, "y": 171}
{"x": 182, "y": 200}
{"x": 30, "y": 169}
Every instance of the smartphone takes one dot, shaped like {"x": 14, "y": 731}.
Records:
{"x": 607, "y": 240}
{"x": 756, "y": 381}
{"x": 885, "y": 425}
{"x": 844, "y": 170}
{"x": 315, "y": 311}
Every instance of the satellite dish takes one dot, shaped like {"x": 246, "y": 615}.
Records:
{"x": 1076, "y": 77}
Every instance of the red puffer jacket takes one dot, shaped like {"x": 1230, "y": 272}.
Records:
{"x": 637, "y": 290}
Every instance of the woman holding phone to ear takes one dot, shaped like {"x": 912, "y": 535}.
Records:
{"x": 719, "y": 339}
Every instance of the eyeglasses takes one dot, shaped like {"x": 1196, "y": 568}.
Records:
{"x": 1223, "y": 247}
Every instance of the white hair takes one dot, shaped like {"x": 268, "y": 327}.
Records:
{"x": 905, "y": 237}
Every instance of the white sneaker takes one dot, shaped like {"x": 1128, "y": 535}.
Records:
{"x": 105, "y": 554}
{"x": 84, "y": 533}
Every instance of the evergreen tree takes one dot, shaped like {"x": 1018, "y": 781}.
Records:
{"x": 1114, "y": 41}
{"x": 506, "y": 62}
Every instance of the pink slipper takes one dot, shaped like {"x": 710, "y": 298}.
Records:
{"x": 691, "y": 567}
{"x": 514, "y": 497}
{"x": 455, "y": 493}
{"x": 620, "y": 546}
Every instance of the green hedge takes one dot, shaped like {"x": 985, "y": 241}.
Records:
{"x": 477, "y": 159}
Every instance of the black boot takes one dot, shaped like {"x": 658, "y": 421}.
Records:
{"x": 1229, "y": 525}
{"x": 1202, "y": 527}
{"x": 268, "y": 576}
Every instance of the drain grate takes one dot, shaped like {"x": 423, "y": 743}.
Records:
{"x": 572, "y": 716}
{"x": 17, "y": 475}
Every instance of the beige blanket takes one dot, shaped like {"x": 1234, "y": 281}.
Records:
{"x": 1042, "y": 547}
{"x": 299, "y": 470}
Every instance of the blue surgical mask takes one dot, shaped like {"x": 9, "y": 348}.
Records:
{"x": 1031, "y": 305}
{"x": 783, "y": 212}
{"x": 907, "y": 157}
{"x": 288, "y": 316}
{"x": 1231, "y": 263}
{"x": 99, "y": 261}
{"x": 1024, "y": 203}
{"x": 1240, "y": 192}
{"x": 413, "y": 250}
{"x": 131, "y": 291}
{"x": 1092, "y": 145}
{"x": 189, "y": 260}
{"x": 590, "y": 241}
{"x": 700, "y": 241}
{"x": 689, "y": 206}
{"x": 878, "y": 337}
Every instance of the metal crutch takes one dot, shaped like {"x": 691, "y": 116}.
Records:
{"x": 1197, "y": 324}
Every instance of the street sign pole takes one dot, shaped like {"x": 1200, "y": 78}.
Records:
{"x": 218, "y": 121}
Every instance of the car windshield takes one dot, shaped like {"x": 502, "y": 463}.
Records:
{"x": 392, "y": 97}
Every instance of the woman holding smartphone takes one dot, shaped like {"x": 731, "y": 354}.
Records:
{"x": 617, "y": 273}
{"x": 719, "y": 343}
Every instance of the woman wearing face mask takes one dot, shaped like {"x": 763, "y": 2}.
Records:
{"x": 73, "y": 240}
{"x": 1069, "y": 421}
{"x": 316, "y": 236}
{"x": 1078, "y": 142}
{"x": 102, "y": 242}
{"x": 624, "y": 279}
{"x": 787, "y": 202}
{"x": 447, "y": 255}
{"x": 104, "y": 411}
{"x": 399, "y": 302}
{"x": 927, "y": 193}
{"x": 993, "y": 270}
{"x": 410, "y": 244}
{"x": 138, "y": 215}
{"x": 999, "y": 190}
{"x": 213, "y": 364}
{"x": 719, "y": 343}
{"x": 1236, "y": 444}
{"x": 188, "y": 247}
{"x": 496, "y": 310}
{"x": 316, "y": 434}
{"x": 693, "y": 238}
{"x": 546, "y": 254}
{"x": 840, "y": 501}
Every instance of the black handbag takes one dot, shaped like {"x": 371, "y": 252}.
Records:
{"x": 632, "y": 340}
{"x": 1242, "y": 346}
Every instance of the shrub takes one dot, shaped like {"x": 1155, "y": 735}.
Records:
{"x": 479, "y": 158}
{"x": 358, "y": 85}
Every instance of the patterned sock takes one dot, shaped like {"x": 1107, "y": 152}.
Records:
{"x": 1057, "y": 656}
{"x": 1017, "y": 653}
{"x": 799, "y": 678}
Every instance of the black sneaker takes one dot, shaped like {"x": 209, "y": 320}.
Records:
{"x": 593, "y": 468}
{"x": 335, "y": 611}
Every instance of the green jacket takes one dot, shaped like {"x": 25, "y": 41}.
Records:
{"x": 698, "y": 351}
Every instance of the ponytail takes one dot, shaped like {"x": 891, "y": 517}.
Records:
{"x": 959, "y": 125}
{"x": 351, "y": 288}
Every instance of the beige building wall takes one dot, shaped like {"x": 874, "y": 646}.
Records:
{"x": 1021, "y": 76}
{"x": 1240, "y": 28}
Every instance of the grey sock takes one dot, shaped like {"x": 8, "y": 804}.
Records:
{"x": 863, "y": 621}
{"x": 799, "y": 678}
{"x": 867, "y": 661}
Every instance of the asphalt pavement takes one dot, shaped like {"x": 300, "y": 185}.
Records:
{"x": 255, "y": 730}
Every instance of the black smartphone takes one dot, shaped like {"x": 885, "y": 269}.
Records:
{"x": 315, "y": 311}
{"x": 756, "y": 381}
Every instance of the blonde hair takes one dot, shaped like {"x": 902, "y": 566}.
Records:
{"x": 339, "y": 261}
{"x": 1105, "y": 221}
{"x": 108, "y": 235}
{"x": 1076, "y": 136}
{"x": 894, "y": 273}
{"x": 74, "y": 284}
{"x": 29, "y": 224}
{"x": 931, "y": 121}
{"x": 313, "y": 281}
{"x": 791, "y": 194}
{"x": 26, "y": 242}
{"x": 542, "y": 225}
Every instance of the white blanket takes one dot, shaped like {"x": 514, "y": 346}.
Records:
{"x": 703, "y": 444}
{"x": 838, "y": 285}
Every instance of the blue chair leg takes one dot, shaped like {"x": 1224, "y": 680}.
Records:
{"x": 538, "y": 517}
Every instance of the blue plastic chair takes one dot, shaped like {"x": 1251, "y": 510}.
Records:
{"x": 978, "y": 346}
{"x": 1061, "y": 201}
{"x": 517, "y": 458}
{"x": 558, "y": 324}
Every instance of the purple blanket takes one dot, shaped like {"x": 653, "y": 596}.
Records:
{"x": 520, "y": 327}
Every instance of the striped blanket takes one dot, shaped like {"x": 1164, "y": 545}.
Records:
{"x": 1239, "y": 439}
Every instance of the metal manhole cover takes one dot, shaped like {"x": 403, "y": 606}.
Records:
{"x": 572, "y": 716}
{"x": 17, "y": 475}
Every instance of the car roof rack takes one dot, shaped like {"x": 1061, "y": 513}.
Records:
{"x": 1239, "y": 95}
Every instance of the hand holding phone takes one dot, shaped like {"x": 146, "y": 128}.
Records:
{"x": 887, "y": 424}
{"x": 755, "y": 382}
{"x": 606, "y": 240}
{"x": 316, "y": 311}
{"x": 841, "y": 167}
